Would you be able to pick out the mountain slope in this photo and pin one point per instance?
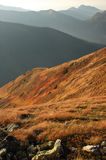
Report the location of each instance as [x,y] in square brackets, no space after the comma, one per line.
[99,17]
[84,77]
[58,102]
[50,18]
[82,12]
[98,23]
[24,47]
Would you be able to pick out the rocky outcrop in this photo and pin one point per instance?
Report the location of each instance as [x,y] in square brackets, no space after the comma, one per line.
[50,154]
[3,152]
[12,149]
[103,149]
[98,151]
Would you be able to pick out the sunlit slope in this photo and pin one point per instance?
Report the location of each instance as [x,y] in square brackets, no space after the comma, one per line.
[84,77]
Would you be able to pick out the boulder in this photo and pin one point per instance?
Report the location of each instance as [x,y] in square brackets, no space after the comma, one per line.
[3,152]
[90,148]
[32,149]
[103,148]
[50,154]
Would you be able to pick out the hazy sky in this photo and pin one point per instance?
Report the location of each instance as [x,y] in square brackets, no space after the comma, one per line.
[53,4]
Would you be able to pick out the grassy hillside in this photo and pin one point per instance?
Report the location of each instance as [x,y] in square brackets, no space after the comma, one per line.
[68,100]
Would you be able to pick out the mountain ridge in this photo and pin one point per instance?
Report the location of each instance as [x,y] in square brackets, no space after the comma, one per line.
[59,21]
[36,46]
[83,12]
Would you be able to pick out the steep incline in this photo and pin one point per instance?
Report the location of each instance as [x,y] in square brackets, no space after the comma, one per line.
[84,77]
[66,100]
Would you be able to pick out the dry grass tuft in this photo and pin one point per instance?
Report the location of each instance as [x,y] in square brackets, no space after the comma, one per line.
[94,140]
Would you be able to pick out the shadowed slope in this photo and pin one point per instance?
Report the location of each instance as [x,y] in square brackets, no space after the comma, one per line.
[59,21]
[25,47]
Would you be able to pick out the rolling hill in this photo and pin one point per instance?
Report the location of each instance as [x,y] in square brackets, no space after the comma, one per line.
[24,47]
[59,21]
[58,102]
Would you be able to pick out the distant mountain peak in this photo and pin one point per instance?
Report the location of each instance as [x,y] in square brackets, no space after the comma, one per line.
[89,7]
[49,11]
[72,8]
[82,12]
[84,7]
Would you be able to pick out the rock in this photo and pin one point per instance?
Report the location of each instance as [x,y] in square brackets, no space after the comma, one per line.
[103,148]
[46,146]
[3,152]
[103,144]
[50,154]
[73,149]
[32,149]
[3,134]
[90,148]
[12,127]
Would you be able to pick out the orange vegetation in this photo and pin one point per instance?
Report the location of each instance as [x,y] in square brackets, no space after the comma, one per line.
[58,102]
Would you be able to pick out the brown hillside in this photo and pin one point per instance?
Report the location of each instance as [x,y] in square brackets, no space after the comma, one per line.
[55,98]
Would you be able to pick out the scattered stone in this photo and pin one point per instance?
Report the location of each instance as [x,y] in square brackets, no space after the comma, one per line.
[73,149]
[12,149]
[32,149]
[90,148]
[50,154]
[103,148]
[103,144]
[12,127]
[3,134]
[46,146]
[3,152]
